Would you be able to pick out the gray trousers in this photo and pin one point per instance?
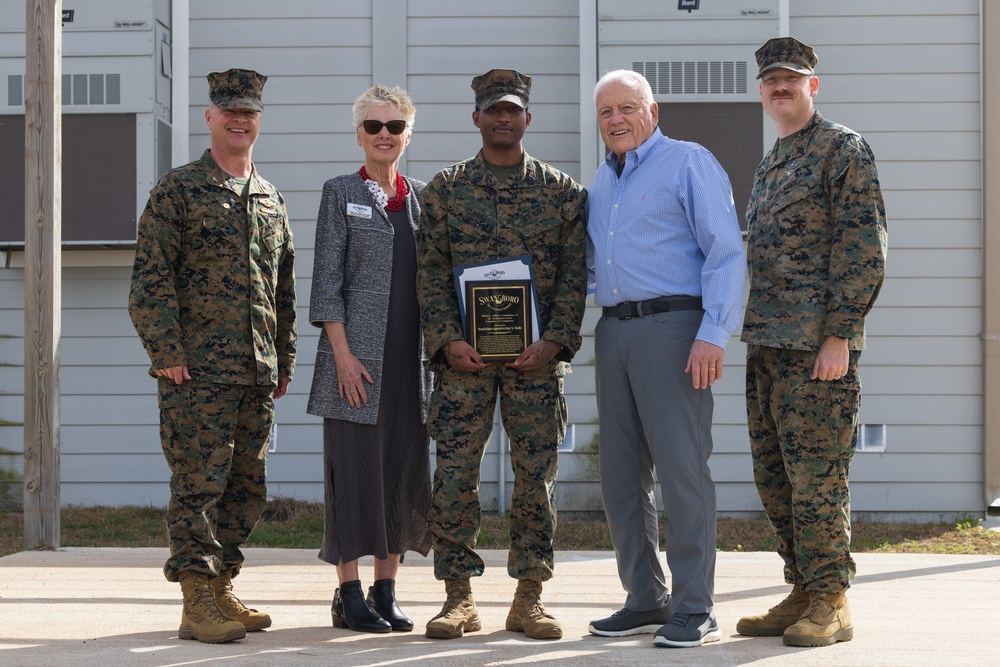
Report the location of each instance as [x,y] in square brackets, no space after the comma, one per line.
[650,414]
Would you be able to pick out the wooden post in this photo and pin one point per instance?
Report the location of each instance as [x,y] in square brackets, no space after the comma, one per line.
[42,270]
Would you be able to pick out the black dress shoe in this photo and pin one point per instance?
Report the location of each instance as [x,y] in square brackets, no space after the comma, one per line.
[351,611]
[382,598]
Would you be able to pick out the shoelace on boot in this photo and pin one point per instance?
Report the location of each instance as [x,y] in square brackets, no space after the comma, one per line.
[538,610]
[226,593]
[784,603]
[818,605]
[205,597]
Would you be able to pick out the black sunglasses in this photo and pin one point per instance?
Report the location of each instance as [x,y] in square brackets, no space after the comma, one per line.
[375,126]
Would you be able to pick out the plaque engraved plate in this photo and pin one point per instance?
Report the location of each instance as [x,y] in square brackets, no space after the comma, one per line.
[498,314]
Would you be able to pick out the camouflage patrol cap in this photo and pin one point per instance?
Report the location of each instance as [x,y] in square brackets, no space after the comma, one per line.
[501,85]
[236,89]
[786,53]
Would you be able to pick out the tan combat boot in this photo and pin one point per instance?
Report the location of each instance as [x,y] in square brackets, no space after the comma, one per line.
[528,615]
[777,618]
[459,614]
[201,618]
[826,622]
[231,606]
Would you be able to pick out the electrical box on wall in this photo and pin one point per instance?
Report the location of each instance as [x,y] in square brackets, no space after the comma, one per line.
[116,122]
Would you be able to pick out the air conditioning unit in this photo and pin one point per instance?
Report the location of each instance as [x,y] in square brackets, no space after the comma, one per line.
[116,123]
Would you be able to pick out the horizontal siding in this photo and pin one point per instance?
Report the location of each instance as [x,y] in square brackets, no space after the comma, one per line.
[954,321]
[930,292]
[862,9]
[930,114]
[447,10]
[933,58]
[275,62]
[931,174]
[475,59]
[945,147]
[465,31]
[315,34]
[263,13]
[899,28]
[930,350]
[902,88]
[944,232]
[935,205]
[935,262]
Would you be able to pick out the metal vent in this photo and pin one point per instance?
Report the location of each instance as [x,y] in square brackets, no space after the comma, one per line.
[77,89]
[569,441]
[15,90]
[114,89]
[97,89]
[694,77]
[91,89]
[871,438]
[80,89]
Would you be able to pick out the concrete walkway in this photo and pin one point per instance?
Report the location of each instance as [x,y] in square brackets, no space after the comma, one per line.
[109,607]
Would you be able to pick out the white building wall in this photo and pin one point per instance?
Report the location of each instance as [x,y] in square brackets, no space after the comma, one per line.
[904,73]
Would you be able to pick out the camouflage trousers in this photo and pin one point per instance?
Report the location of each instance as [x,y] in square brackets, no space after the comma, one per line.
[214,437]
[460,420]
[803,433]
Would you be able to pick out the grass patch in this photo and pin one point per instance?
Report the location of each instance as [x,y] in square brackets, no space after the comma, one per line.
[290,523]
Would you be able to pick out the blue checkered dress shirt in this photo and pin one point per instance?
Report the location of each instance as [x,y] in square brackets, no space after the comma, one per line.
[667,226]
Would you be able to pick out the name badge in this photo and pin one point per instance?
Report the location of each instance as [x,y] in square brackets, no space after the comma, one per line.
[359,210]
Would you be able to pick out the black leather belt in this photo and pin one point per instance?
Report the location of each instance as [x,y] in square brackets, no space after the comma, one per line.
[661,304]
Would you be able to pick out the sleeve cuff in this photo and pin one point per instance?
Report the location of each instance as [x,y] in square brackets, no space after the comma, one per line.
[713,334]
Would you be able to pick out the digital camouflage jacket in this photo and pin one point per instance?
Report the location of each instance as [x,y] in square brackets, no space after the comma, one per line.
[213,284]
[467,217]
[816,240]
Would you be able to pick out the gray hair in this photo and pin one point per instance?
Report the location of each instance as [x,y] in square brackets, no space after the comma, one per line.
[627,77]
[377,96]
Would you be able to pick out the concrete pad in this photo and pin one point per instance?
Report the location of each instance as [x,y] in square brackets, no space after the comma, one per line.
[109,607]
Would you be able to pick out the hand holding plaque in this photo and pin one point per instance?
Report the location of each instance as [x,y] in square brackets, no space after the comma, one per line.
[498,318]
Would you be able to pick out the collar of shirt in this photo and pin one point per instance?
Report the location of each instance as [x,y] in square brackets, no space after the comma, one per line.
[638,155]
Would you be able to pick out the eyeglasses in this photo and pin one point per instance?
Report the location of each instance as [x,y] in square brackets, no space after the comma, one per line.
[375,126]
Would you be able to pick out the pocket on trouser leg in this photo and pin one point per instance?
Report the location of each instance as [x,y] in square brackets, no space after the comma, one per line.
[820,421]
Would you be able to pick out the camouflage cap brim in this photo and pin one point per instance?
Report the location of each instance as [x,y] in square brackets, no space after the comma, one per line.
[790,66]
[513,99]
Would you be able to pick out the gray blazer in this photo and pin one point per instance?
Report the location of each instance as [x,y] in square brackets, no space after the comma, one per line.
[352,272]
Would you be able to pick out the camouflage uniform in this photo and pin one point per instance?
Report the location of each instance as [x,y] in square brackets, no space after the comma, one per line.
[469,217]
[213,289]
[816,251]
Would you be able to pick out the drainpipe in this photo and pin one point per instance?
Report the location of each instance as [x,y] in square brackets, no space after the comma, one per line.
[990,65]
